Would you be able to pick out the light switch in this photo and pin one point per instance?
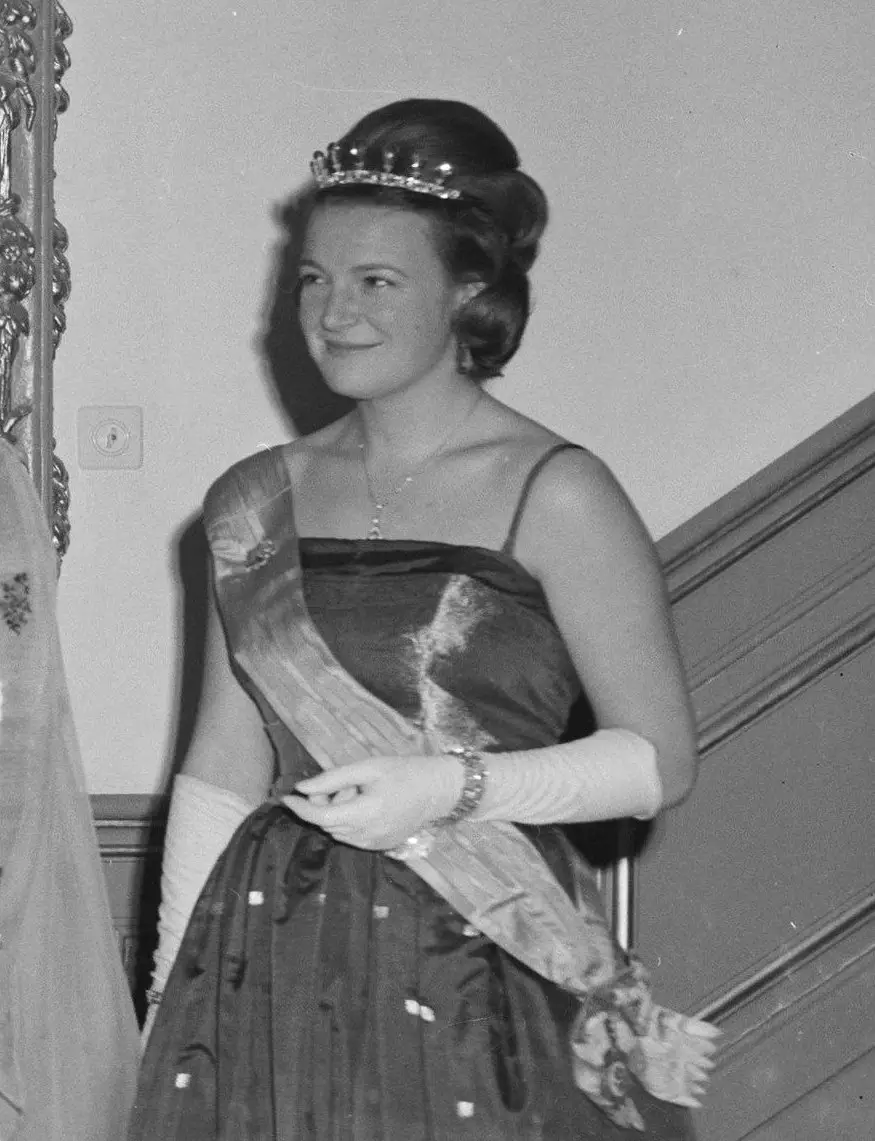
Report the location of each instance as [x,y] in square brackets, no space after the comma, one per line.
[110,436]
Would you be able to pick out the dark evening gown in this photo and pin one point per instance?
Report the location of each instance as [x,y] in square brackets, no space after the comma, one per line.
[325,993]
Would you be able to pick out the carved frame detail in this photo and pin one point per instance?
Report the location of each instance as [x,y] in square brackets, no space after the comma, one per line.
[34,271]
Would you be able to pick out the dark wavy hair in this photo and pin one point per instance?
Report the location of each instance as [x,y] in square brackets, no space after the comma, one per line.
[489,235]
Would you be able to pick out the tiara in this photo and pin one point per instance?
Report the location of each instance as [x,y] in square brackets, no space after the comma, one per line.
[335,169]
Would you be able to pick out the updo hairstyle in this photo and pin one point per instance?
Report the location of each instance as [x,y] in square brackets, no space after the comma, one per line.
[489,234]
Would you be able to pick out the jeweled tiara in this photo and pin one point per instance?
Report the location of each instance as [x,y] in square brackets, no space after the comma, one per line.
[349,169]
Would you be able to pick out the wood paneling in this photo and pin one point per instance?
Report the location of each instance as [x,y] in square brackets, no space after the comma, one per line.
[841,1107]
[130,831]
[756,898]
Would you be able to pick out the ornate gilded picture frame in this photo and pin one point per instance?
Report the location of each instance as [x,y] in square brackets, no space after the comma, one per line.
[34,271]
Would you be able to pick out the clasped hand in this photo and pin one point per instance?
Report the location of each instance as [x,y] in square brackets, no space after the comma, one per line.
[378,803]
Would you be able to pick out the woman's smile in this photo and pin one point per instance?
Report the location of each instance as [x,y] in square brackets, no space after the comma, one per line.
[371,278]
[340,347]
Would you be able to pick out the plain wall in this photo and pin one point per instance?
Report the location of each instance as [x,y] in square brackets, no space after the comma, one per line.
[704,300]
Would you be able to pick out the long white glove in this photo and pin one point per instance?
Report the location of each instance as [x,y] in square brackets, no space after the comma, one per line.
[608,775]
[201,821]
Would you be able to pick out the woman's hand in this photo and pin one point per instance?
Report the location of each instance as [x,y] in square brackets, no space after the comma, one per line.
[378,803]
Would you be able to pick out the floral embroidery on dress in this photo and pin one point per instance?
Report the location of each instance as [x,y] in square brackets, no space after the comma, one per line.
[15,601]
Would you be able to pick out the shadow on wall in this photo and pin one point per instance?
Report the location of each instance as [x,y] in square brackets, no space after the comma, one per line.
[602,842]
[307,401]
[192,570]
[309,405]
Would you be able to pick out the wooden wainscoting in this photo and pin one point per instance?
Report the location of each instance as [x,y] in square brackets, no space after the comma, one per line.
[130,832]
[755,900]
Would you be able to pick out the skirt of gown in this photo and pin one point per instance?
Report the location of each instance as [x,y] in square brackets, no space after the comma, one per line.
[325,993]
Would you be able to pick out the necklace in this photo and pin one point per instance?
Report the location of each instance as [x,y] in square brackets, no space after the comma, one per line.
[381,502]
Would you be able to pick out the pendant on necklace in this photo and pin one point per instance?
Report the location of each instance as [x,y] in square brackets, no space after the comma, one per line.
[374,531]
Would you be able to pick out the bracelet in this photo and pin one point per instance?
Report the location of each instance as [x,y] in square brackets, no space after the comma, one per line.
[473,787]
[153,996]
[417,846]
[476,772]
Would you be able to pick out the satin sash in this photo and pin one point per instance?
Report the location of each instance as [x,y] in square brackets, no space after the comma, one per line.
[489,871]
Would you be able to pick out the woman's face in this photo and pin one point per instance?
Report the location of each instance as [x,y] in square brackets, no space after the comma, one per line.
[376,301]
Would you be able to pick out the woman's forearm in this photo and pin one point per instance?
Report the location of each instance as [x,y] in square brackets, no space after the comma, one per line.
[611,774]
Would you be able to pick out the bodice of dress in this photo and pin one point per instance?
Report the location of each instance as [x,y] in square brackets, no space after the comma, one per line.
[459,640]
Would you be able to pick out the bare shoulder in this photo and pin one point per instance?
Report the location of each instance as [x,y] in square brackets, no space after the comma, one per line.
[503,425]
[577,504]
[509,445]
[265,471]
[301,453]
[576,481]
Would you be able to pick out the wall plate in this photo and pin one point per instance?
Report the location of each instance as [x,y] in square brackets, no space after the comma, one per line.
[110,436]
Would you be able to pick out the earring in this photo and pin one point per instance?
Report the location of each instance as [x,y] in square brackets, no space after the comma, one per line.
[464,360]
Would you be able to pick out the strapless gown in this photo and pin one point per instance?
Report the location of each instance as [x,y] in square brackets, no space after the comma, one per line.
[325,993]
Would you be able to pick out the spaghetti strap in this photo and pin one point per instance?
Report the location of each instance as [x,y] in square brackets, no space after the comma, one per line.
[508,544]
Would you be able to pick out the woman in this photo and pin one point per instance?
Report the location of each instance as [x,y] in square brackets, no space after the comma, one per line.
[412,598]
[68,1036]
